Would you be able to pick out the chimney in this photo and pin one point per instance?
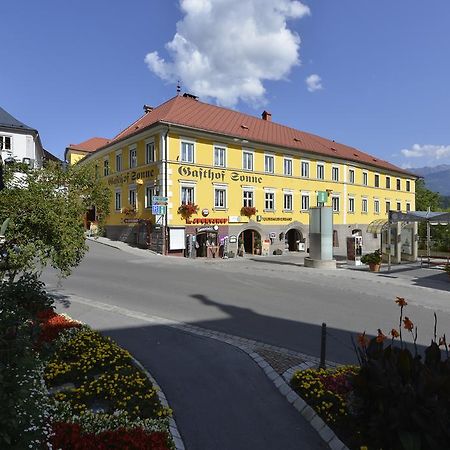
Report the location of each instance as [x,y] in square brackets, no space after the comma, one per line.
[266,116]
[148,108]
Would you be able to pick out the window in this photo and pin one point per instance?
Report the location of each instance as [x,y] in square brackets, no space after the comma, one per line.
[118,200]
[351,205]
[320,171]
[149,152]
[408,207]
[288,166]
[118,162]
[335,173]
[365,178]
[187,194]
[408,185]
[150,192]
[219,156]
[377,180]
[305,169]
[399,206]
[269,201]
[247,198]
[133,157]
[376,206]
[187,152]
[132,198]
[335,204]
[399,184]
[220,198]
[305,202]
[105,167]
[388,207]
[351,176]
[364,206]
[247,160]
[268,163]
[5,143]
[388,182]
[288,202]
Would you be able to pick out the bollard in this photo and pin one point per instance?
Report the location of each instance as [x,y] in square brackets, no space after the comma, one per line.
[323,345]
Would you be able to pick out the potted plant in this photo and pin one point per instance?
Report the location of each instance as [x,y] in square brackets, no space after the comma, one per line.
[257,244]
[186,210]
[373,260]
[248,211]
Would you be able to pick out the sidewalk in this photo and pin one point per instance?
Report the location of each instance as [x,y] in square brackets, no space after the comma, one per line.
[221,398]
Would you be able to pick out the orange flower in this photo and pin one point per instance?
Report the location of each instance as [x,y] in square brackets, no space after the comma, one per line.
[407,324]
[381,337]
[401,301]
[363,340]
[395,333]
[442,341]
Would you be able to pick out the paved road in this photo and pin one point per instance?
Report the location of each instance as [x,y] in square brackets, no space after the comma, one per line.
[272,300]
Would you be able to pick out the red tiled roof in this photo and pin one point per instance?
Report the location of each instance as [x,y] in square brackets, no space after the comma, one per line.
[90,145]
[191,113]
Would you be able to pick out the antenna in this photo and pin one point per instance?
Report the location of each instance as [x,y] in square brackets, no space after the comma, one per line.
[178,87]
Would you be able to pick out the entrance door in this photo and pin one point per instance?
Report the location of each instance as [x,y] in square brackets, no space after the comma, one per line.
[252,241]
[293,238]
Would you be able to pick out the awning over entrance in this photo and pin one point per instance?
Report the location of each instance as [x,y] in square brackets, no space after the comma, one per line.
[377,226]
[419,216]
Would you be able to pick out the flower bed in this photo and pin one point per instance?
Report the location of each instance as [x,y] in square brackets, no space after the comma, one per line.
[102,400]
[396,399]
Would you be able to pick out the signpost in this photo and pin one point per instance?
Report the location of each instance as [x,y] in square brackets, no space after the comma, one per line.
[159,205]
[322,197]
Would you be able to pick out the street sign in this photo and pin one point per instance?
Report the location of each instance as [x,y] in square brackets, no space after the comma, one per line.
[322,196]
[159,201]
[158,210]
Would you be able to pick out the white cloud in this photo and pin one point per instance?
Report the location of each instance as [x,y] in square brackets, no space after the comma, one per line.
[314,83]
[429,151]
[225,49]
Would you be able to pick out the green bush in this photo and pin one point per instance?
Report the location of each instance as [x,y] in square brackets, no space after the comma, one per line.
[372,258]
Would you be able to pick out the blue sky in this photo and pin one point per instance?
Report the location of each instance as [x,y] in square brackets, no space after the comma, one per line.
[381,70]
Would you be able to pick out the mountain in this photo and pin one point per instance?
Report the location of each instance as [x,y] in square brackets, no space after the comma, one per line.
[437,179]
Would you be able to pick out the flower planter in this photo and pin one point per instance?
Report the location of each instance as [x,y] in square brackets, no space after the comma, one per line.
[374,267]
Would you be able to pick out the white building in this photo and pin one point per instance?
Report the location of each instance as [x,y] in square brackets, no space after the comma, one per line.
[21,142]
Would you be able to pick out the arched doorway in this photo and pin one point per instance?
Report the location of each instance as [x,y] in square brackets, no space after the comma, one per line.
[293,239]
[250,240]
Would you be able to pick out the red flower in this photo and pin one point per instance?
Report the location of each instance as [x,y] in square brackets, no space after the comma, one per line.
[407,324]
[401,301]
[381,337]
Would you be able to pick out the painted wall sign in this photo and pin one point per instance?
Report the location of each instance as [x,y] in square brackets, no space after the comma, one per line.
[134,175]
[276,219]
[203,229]
[206,221]
[217,175]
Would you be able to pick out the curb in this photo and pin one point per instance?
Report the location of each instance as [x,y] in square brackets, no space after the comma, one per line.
[173,429]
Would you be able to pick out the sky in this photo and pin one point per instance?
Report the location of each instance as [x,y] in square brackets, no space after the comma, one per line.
[371,74]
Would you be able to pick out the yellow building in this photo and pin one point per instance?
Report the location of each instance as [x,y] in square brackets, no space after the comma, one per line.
[76,152]
[222,160]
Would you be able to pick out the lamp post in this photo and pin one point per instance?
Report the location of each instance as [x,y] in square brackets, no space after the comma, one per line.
[2,183]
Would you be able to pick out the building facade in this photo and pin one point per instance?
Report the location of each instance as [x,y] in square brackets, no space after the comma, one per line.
[20,143]
[227,163]
[76,152]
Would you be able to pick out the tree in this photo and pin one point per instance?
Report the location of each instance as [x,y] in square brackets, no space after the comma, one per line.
[46,209]
[425,198]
